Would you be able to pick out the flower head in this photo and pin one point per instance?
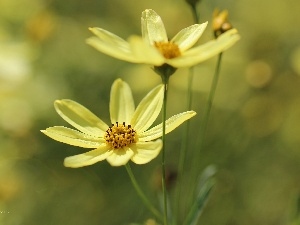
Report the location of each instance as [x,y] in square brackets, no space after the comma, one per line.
[154,47]
[127,138]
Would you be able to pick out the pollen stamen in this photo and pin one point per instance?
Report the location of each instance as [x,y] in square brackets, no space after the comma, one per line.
[120,135]
[168,49]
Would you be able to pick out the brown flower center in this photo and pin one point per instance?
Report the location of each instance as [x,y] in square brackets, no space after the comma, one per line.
[120,135]
[168,49]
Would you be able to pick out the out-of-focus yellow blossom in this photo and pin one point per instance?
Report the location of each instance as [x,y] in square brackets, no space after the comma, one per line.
[220,22]
[127,138]
[154,47]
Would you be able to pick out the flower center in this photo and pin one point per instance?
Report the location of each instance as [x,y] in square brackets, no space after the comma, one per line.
[168,49]
[120,135]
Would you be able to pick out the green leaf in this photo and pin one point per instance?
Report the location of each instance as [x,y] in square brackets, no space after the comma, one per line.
[206,184]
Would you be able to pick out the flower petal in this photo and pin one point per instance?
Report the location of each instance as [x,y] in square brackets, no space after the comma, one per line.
[148,109]
[153,29]
[146,53]
[88,158]
[203,52]
[110,38]
[73,137]
[120,157]
[121,103]
[80,117]
[111,45]
[171,124]
[187,37]
[146,151]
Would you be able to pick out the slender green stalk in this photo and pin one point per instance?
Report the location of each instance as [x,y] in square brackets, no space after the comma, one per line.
[209,103]
[165,71]
[203,125]
[141,193]
[165,80]
[195,13]
[184,143]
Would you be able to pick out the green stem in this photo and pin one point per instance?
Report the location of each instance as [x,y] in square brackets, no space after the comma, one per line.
[185,134]
[141,193]
[165,80]
[195,14]
[184,143]
[209,103]
[200,140]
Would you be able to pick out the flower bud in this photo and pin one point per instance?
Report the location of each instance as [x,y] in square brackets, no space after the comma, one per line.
[220,22]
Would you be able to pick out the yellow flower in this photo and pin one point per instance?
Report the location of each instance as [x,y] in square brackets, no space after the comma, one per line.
[127,138]
[154,47]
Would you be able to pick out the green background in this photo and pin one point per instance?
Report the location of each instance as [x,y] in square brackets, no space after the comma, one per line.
[253,134]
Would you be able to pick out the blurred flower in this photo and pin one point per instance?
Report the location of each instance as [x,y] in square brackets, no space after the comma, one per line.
[155,48]
[41,26]
[220,22]
[127,138]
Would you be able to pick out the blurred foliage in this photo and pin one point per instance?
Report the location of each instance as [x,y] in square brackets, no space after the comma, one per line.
[252,136]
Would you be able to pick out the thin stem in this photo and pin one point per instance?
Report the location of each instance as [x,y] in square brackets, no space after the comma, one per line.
[184,143]
[141,193]
[203,126]
[185,134]
[209,103]
[165,80]
[195,13]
